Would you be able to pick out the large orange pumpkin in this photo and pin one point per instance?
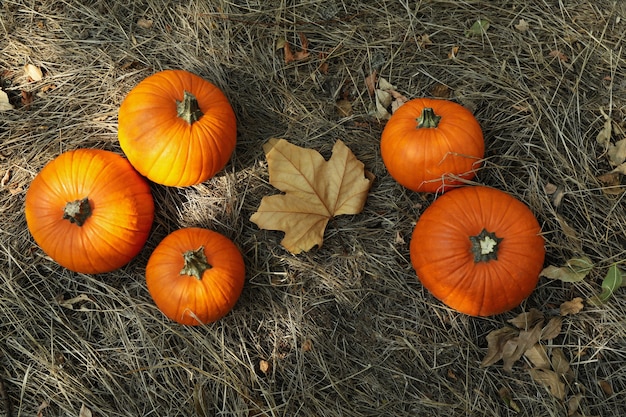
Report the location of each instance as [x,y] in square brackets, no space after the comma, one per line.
[176,128]
[478,250]
[89,210]
[430,145]
[195,276]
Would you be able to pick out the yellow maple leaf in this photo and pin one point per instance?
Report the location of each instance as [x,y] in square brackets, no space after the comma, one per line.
[315,191]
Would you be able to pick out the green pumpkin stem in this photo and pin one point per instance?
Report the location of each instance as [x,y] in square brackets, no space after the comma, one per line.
[77,211]
[485,246]
[188,109]
[428,118]
[195,263]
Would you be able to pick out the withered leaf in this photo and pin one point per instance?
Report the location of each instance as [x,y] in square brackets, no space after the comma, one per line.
[558,54]
[522,26]
[145,23]
[538,356]
[371,81]
[424,41]
[527,319]
[33,72]
[572,307]
[576,269]
[617,152]
[303,53]
[315,191]
[496,340]
[552,329]
[84,412]
[604,135]
[4,102]
[524,341]
[573,403]
[550,380]
[606,387]
[560,363]
[621,168]
[507,397]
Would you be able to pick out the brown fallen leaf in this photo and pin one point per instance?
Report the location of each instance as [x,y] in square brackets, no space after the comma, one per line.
[573,306]
[558,54]
[560,364]
[496,341]
[522,26]
[518,345]
[5,105]
[33,72]
[371,81]
[527,319]
[315,191]
[84,412]
[538,356]
[552,329]
[507,397]
[264,366]
[440,91]
[604,135]
[145,23]
[617,152]
[550,380]
[5,178]
[573,403]
[454,51]
[303,53]
[606,387]
[424,41]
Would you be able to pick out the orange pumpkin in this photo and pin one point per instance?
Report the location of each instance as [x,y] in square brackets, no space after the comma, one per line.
[195,276]
[89,210]
[478,250]
[176,128]
[430,145]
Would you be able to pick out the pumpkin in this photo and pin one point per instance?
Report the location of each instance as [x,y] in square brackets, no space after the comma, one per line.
[176,128]
[478,250]
[195,276]
[89,210]
[430,145]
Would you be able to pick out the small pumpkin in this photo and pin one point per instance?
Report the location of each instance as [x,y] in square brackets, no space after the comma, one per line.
[89,210]
[176,128]
[195,276]
[479,250]
[430,145]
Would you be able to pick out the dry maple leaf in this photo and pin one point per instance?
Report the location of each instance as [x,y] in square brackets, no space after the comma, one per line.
[571,307]
[304,53]
[315,191]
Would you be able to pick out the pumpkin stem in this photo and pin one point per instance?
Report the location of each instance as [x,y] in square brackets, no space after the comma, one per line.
[195,263]
[77,211]
[485,246]
[428,118]
[188,109]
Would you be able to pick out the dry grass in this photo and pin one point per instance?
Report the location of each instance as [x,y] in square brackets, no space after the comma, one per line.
[346,329]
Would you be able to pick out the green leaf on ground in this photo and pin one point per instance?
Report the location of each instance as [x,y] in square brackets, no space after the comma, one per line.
[478,28]
[612,281]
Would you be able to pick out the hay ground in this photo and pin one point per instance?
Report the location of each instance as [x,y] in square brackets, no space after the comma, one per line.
[345,329]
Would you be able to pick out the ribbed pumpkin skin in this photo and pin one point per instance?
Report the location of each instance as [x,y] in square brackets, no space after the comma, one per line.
[164,147]
[423,159]
[122,210]
[441,251]
[184,298]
